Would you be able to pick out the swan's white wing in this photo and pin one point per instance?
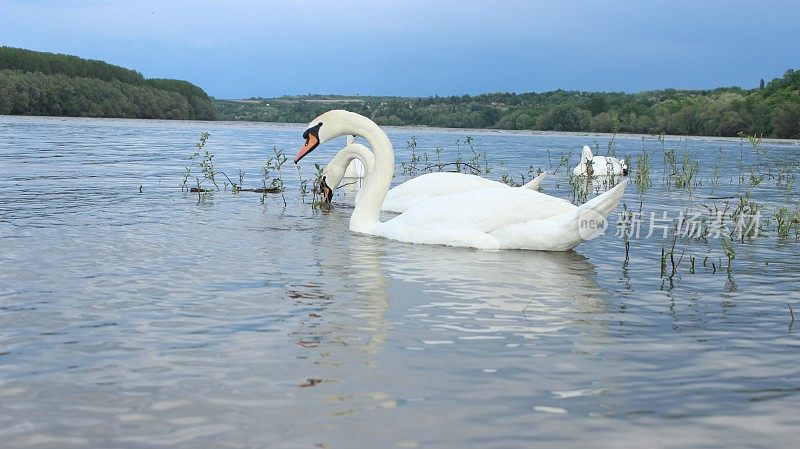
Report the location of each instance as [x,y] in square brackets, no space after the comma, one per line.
[431,185]
[564,231]
[467,218]
[496,219]
[536,182]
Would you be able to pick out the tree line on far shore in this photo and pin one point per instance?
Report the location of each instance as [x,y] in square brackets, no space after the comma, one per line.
[772,109]
[39,83]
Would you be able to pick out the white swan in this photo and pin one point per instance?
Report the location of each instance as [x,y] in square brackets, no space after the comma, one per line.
[355,168]
[601,165]
[483,219]
[415,190]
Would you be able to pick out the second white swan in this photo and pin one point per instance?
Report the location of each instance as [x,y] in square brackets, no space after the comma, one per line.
[601,165]
[415,190]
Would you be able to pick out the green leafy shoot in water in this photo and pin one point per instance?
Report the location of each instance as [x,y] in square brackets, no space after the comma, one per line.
[786,221]
[643,167]
[730,253]
[187,171]
[273,165]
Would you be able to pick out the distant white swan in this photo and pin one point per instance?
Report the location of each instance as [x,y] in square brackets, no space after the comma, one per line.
[601,165]
[483,219]
[415,190]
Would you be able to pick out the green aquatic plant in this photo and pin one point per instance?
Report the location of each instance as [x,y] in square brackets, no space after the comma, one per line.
[746,217]
[642,179]
[411,167]
[670,166]
[317,197]
[564,160]
[438,152]
[755,179]
[685,175]
[206,166]
[509,180]
[303,183]
[532,173]
[457,162]
[238,187]
[478,161]
[730,253]
[786,221]
[755,143]
[271,171]
[717,171]
[580,188]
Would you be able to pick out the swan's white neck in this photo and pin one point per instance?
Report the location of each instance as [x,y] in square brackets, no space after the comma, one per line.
[337,167]
[361,153]
[586,157]
[367,212]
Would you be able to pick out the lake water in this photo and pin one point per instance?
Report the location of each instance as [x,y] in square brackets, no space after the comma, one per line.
[133,315]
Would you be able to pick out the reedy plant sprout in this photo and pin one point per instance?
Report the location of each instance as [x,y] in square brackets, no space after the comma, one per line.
[474,165]
[274,164]
[458,156]
[786,220]
[187,171]
[642,179]
[685,176]
[317,200]
[206,166]
[730,253]
[303,184]
[716,173]
[411,167]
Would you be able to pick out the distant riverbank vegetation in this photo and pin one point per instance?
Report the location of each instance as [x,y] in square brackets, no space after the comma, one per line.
[771,110]
[38,83]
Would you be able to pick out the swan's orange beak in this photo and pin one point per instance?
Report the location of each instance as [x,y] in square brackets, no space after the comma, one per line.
[312,141]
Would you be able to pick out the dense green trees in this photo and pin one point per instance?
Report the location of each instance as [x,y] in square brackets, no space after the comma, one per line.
[773,110]
[36,83]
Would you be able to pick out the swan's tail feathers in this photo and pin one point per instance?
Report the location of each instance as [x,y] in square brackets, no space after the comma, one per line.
[536,182]
[605,203]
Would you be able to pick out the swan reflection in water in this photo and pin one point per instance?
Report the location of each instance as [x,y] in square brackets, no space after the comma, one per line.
[477,294]
[389,302]
[503,292]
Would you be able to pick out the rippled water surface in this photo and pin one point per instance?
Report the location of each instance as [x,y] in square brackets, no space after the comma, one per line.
[132,315]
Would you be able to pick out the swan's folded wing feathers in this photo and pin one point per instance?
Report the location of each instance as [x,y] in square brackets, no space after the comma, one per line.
[483,210]
[430,185]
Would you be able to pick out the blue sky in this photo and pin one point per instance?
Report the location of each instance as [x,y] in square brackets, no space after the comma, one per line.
[240,48]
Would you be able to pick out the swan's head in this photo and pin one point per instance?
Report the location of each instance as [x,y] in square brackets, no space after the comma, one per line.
[328,126]
[587,153]
[624,167]
[325,190]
